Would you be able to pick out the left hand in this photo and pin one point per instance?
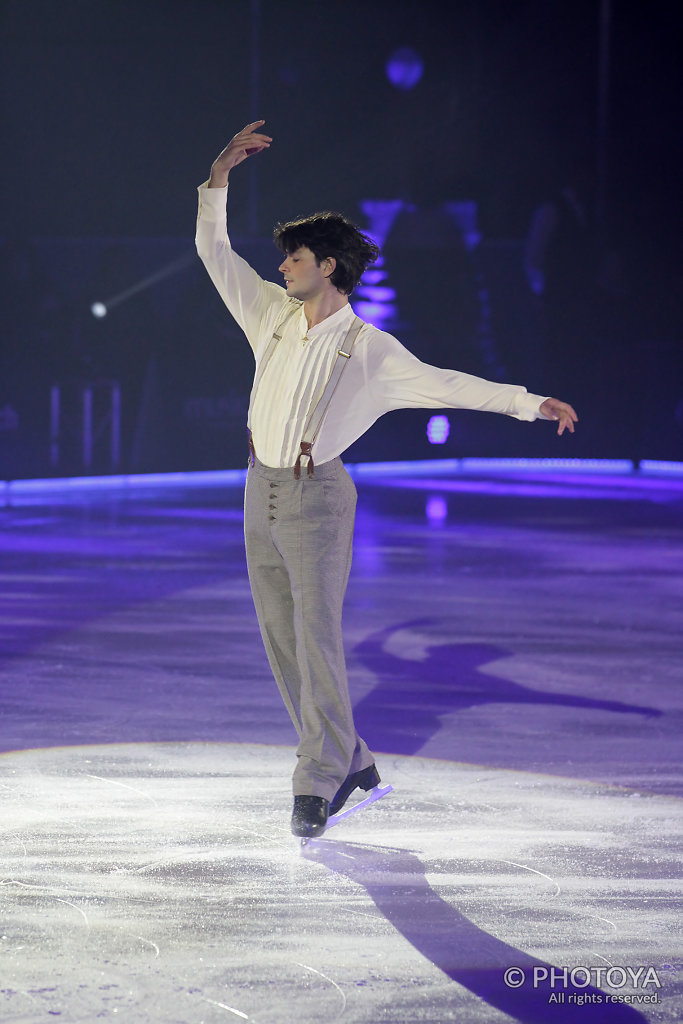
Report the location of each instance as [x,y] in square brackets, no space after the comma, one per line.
[554,409]
[243,145]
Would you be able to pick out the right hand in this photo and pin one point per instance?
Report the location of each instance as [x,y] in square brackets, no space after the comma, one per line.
[246,143]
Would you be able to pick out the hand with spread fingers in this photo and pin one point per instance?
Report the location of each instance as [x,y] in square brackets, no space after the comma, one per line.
[246,143]
[562,412]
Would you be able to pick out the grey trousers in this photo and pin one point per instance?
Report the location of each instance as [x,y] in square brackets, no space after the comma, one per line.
[299,537]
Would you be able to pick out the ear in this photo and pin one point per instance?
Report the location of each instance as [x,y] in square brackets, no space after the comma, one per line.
[328,266]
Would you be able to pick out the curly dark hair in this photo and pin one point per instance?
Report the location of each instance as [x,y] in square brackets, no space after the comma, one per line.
[330,234]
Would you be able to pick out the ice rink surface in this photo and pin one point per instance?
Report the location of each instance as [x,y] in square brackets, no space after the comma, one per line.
[516,661]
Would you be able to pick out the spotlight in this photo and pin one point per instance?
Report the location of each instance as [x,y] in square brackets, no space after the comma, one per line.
[438,430]
[404,68]
[100,309]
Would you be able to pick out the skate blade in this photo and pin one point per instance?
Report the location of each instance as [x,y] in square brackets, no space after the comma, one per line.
[376,794]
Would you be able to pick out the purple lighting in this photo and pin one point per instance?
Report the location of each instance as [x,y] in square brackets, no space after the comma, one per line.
[438,430]
[376,301]
[657,466]
[586,478]
[404,68]
[436,508]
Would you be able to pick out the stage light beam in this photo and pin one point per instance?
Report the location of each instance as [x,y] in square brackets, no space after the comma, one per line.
[100,309]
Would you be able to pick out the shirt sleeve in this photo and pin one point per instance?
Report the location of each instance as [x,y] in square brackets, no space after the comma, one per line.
[400,380]
[251,300]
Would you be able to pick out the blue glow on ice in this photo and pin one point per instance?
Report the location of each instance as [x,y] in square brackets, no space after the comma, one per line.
[436,508]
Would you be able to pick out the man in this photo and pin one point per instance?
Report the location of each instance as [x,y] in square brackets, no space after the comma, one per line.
[322,378]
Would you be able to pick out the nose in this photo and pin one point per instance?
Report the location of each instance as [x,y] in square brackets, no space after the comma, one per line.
[282,266]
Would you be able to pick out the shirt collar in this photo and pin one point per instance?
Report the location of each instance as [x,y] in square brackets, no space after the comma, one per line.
[330,322]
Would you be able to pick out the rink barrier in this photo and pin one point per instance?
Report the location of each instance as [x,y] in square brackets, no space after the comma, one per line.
[12,491]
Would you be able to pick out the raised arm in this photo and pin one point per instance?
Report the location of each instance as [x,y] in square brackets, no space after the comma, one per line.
[252,301]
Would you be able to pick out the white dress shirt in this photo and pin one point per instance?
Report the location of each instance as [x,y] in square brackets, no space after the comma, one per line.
[381,374]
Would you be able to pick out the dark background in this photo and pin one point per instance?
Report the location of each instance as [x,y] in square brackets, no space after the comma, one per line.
[113,111]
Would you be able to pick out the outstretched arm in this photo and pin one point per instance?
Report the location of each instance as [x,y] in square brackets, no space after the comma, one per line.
[246,143]
[400,380]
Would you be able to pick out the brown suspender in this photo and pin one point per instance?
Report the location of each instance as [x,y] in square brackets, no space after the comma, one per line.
[317,414]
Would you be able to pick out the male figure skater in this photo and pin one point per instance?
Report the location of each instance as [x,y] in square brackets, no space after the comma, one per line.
[322,378]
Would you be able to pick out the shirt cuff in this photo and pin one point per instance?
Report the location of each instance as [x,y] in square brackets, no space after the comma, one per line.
[528,406]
